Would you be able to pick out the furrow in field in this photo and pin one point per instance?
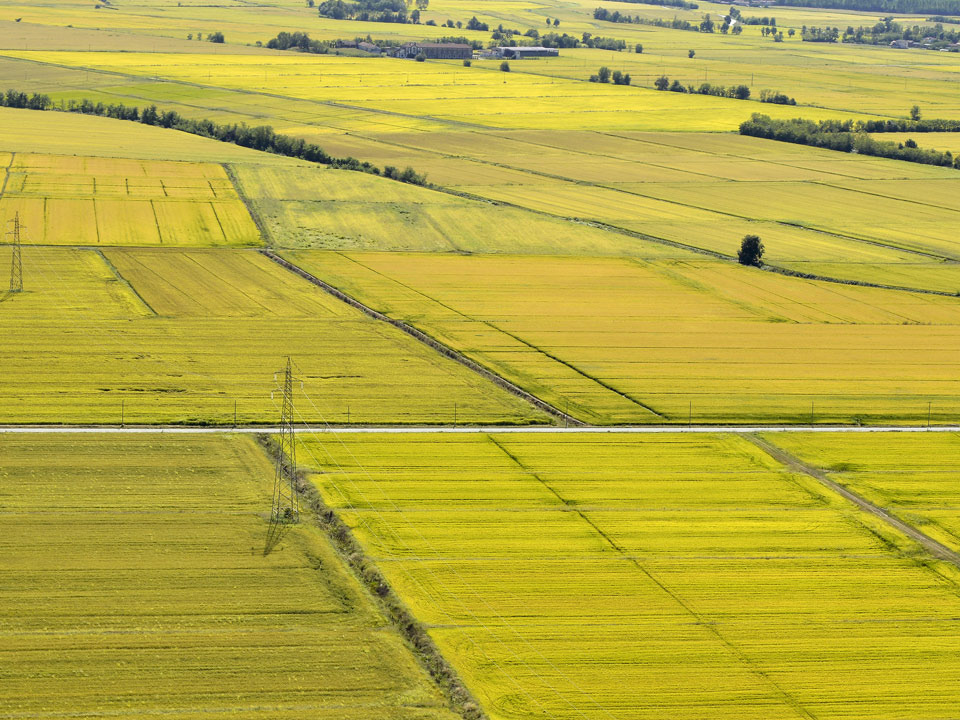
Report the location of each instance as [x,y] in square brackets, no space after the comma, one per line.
[935,548]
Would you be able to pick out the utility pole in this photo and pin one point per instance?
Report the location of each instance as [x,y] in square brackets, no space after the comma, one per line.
[286,503]
[16,264]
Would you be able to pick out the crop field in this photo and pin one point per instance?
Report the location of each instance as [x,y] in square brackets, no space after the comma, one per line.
[27,131]
[700,190]
[629,577]
[191,337]
[915,478]
[576,239]
[136,583]
[332,209]
[68,200]
[624,341]
[449,93]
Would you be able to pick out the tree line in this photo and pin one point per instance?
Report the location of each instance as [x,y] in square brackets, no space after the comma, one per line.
[736,92]
[843,136]
[682,4]
[389,11]
[908,7]
[603,75]
[884,32]
[261,137]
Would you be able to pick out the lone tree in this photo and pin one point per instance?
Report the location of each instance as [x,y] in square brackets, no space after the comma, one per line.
[505,67]
[915,113]
[751,251]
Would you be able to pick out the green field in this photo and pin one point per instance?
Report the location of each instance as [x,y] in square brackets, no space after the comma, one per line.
[676,576]
[136,584]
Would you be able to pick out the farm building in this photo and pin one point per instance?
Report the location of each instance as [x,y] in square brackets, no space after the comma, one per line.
[368,47]
[518,53]
[434,51]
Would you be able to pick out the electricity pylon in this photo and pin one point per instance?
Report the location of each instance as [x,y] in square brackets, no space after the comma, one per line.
[16,264]
[286,503]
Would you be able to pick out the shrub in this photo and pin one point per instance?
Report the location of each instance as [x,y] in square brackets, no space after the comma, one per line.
[505,66]
[467,63]
[420,57]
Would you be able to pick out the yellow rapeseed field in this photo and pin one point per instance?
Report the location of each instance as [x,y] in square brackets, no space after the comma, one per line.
[626,341]
[69,200]
[914,477]
[189,336]
[647,577]
[136,584]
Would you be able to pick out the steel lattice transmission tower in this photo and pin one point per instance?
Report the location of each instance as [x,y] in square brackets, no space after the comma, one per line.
[286,503]
[16,264]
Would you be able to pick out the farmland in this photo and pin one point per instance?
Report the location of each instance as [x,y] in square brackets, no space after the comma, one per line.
[623,341]
[136,583]
[913,477]
[700,190]
[564,251]
[680,576]
[190,337]
[100,201]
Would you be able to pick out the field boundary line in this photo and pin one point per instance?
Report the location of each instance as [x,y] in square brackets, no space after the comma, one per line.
[123,280]
[430,342]
[357,561]
[265,236]
[795,464]
[6,174]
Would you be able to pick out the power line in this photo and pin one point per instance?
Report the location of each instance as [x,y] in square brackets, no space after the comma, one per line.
[16,263]
[286,502]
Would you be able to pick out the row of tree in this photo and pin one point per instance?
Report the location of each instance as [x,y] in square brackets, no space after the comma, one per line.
[706,24]
[604,75]
[300,41]
[390,11]
[737,92]
[907,7]
[682,4]
[261,137]
[776,97]
[843,137]
[887,31]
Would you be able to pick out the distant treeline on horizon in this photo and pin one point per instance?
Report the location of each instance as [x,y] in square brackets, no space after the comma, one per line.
[909,7]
